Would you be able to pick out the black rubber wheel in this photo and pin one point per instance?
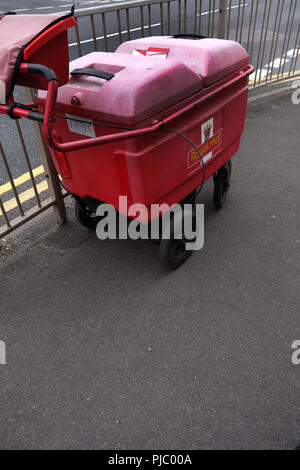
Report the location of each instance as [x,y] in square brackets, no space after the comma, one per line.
[222,184]
[172,251]
[86,217]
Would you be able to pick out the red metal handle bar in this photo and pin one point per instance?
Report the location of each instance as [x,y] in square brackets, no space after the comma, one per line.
[86,143]
[47,117]
[51,80]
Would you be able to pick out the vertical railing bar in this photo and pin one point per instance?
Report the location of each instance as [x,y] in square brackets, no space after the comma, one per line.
[169,19]
[161,19]
[290,33]
[78,40]
[104,31]
[179,16]
[265,40]
[119,26]
[28,162]
[222,19]
[142,21]
[94,32]
[273,38]
[295,53]
[229,18]
[195,16]
[200,17]
[277,36]
[260,43]
[209,18]
[149,20]
[213,18]
[242,21]
[128,24]
[184,16]
[285,38]
[4,214]
[11,180]
[250,24]
[238,21]
[253,32]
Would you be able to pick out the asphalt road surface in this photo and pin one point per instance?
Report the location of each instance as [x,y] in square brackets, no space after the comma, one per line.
[8,134]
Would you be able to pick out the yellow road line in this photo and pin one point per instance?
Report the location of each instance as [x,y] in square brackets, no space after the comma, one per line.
[273,77]
[286,81]
[5,188]
[25,196]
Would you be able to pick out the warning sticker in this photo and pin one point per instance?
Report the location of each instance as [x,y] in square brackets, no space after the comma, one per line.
[157,52]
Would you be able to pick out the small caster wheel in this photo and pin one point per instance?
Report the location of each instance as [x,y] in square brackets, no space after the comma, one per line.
[86,217]
[222,184]
[172,251]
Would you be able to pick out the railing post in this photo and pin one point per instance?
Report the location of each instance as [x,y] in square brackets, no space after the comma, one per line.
[222,19]
[50,172]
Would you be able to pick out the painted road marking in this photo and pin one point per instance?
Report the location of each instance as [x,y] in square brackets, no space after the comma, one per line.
[79,2]
[205,13]
[5,188]
[25,196]
[261,74]
[113,34]
[273,77]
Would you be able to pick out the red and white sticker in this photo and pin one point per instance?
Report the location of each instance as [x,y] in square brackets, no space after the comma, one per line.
[210,140]
[157,52]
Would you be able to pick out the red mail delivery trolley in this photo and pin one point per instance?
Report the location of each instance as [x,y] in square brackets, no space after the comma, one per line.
[151,121]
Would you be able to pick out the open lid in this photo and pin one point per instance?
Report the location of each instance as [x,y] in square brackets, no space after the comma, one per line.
[19,32]
[213,59]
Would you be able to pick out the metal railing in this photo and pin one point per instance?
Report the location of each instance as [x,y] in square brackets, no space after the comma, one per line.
[39,187]
[268,29]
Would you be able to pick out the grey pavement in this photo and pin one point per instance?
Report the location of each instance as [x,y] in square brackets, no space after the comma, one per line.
[106,349]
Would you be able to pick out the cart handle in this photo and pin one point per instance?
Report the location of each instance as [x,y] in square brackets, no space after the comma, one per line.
[93,73]
[188,35]
[15,111]
[39,69]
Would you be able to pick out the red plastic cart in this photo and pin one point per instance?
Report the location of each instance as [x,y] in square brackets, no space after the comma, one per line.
[151,122]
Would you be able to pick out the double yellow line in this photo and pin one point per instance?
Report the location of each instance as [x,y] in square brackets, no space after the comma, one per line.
[275,76]
[25,195]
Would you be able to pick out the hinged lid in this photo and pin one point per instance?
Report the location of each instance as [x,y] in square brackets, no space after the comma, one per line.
[213,59]
[138,90]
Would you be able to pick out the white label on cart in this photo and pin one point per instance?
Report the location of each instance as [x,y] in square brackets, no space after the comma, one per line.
[81,125]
